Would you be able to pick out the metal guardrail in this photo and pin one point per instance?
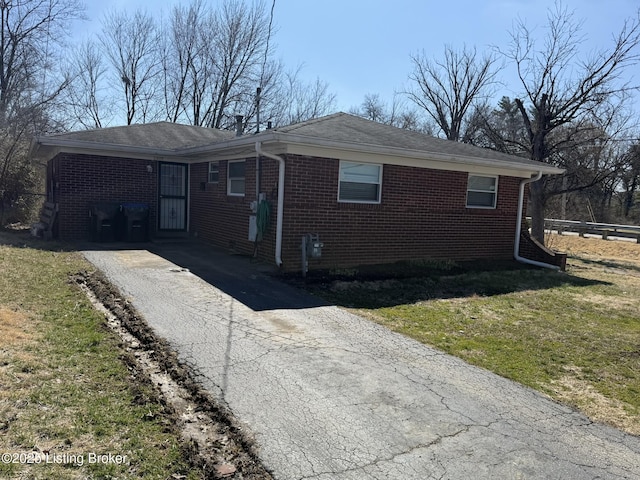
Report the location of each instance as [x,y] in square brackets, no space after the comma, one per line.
[602,229]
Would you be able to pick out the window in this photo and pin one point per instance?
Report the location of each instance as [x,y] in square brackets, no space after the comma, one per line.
[482,191]
[359,182]
[213,172]
[235,178]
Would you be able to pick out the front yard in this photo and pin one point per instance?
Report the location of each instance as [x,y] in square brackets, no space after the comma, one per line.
[68,387]
[76,399]
[574,336]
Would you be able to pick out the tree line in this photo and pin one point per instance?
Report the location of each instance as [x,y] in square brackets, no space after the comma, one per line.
[575,112]
[206,62]
[202,65]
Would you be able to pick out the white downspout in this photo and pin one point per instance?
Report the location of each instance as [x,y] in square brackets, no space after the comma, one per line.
[516,245]
[279,216]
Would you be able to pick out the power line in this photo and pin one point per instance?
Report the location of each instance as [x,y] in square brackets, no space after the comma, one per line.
[266,50]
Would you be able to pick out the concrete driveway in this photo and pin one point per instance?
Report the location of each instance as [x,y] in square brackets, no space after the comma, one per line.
[331,396]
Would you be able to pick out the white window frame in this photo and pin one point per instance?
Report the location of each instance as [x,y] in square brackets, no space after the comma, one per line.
[214,167]
[344,163]
[494,192]
[230,178]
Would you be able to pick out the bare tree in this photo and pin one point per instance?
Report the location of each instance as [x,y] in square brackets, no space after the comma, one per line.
[86,98]
[184,61]
[374,108]
[447,89]
[238,52]
[31,34]
[563,90]
[131,45]
[213,61]
[293,100]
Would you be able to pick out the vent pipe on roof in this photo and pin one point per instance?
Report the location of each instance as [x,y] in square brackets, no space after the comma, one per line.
[239,119]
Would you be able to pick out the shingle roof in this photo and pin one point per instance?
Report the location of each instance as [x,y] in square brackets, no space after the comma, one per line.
[346,128]
[340,130]
[160,135]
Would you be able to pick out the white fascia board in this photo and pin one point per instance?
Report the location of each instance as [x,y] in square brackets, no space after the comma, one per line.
[420,159]
[49,150]
[54,146]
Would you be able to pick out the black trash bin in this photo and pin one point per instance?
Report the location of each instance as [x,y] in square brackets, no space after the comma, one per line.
[135,222]
[104,221]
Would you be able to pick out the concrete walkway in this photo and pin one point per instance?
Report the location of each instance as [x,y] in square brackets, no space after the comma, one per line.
[331,396]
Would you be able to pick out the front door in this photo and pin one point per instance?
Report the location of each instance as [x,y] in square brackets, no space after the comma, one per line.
[173,197]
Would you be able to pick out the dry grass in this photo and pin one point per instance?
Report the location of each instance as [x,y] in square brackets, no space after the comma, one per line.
[574,336]
[595,248]
[64,387]
[15,328]
[572,389]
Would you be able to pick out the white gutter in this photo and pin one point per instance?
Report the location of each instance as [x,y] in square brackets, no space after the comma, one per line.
[279,216]
[516,245]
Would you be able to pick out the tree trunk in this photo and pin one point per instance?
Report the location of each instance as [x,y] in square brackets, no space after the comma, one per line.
[629,197]
[536,210]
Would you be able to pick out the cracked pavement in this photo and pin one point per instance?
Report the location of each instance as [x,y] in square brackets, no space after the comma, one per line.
[329,395]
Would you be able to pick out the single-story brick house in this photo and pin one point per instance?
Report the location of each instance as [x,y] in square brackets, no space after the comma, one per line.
[370,193]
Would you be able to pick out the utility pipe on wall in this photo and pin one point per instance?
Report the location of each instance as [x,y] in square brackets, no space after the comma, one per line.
[516,245]
[279,216]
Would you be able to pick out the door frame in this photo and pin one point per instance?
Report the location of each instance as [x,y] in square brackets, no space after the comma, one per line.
[184,197]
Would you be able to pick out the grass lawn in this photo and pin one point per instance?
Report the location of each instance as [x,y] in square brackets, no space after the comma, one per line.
[574,336]
[66,388]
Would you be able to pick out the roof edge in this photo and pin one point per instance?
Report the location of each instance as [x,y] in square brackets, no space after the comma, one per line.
[39,142]
[281,139]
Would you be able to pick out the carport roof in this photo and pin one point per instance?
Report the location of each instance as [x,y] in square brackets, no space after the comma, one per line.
[160,136]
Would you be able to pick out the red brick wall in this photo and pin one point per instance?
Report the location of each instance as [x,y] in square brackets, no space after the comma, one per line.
[219,218]
[422,215]
[80,180]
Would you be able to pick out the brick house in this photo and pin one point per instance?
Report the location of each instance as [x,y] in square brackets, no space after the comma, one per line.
[370,193]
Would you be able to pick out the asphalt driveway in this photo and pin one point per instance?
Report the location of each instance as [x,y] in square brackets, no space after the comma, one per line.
[331,396]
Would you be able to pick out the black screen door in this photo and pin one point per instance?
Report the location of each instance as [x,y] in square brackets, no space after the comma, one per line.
[173,197]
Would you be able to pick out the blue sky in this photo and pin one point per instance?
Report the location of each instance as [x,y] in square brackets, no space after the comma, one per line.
[363,46]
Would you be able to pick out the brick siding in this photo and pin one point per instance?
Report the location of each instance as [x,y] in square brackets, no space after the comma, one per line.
[422,215]
[79,180]
[219,218]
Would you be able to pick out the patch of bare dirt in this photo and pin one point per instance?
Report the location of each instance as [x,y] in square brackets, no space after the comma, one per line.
[213,440]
